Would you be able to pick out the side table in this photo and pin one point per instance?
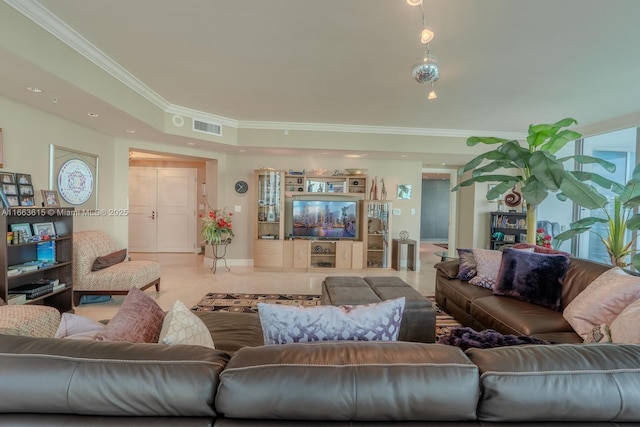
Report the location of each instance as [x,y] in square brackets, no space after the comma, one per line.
[411,253]
[220,252]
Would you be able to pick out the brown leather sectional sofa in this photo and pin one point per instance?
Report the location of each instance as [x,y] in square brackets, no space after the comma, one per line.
[58,382]
[478,308]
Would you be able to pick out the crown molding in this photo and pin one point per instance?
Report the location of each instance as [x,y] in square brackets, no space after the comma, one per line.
[67,35]
[41,16]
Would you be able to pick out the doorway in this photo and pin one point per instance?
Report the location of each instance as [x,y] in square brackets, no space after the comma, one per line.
[162,209]
[434,223]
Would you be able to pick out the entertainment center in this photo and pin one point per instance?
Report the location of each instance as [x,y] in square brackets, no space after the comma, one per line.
[312,221]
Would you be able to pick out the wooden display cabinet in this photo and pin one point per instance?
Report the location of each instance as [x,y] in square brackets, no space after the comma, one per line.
[269,222]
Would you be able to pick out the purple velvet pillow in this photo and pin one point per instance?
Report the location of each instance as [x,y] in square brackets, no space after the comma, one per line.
[467,269]
[532,277]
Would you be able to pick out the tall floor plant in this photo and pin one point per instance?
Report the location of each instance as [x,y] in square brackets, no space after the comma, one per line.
[536,170]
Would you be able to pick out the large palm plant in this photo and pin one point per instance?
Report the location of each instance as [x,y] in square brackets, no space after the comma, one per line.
[536,170]
[617,224]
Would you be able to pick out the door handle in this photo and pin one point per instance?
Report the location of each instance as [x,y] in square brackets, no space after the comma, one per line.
[153,215]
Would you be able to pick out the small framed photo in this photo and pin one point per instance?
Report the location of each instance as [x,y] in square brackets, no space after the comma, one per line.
[50,199]
[23,228]
[25,190]
[44,229]
[10,189]
[27,201]
[509,238]
[23,179]
[7,178]
[404,191]
[523,238]
[13,200]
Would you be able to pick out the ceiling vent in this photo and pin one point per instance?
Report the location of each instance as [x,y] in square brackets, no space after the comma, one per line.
[205,127]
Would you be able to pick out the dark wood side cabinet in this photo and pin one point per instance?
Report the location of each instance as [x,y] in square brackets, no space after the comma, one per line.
[15,253]
[507,228]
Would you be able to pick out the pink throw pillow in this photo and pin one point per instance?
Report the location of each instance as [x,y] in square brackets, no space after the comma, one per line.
[138,320]
[72,324]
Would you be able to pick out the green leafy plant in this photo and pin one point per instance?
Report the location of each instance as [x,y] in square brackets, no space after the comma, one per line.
[536,169]
[617,223]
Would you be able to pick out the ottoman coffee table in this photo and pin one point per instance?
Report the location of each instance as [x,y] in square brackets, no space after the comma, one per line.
[419,317]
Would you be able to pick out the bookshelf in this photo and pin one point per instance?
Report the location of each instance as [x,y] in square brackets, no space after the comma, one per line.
[507,228]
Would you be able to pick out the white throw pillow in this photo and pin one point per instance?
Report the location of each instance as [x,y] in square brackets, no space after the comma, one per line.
[602,301]
[181,326]
[624,329]
[370,322]
[74,324]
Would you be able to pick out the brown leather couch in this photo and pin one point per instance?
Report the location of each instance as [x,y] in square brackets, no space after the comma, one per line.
[57,382]
[479,309]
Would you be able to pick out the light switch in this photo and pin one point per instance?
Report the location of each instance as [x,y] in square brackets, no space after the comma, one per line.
[237,208]
[413,211]
[397,211]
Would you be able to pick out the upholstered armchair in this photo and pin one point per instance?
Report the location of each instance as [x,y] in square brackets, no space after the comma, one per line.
[116,279]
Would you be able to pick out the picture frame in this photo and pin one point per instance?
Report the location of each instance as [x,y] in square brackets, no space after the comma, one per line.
[44,229]
[50,198]
[23,179]
[22,227]
[25,190]
[27,201]
[523,238]
[509,238]
[10,189]
[64,162]
[404,191]
[7,178]
[13,201]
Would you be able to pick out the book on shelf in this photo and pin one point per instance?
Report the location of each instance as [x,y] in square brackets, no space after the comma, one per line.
[17,299]
[46,252]
[59,286]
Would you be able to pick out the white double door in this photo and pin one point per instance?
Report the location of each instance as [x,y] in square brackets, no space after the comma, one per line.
[162,209]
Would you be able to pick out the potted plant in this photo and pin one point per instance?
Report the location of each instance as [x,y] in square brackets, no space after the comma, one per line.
[617,222]
[537,171]
[217,227]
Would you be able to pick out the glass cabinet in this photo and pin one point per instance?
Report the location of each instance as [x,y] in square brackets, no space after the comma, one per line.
[378,232]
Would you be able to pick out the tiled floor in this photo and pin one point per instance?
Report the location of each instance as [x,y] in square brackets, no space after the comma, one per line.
[187,278]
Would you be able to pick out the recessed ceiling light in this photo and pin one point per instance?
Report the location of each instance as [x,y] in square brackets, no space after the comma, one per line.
[54,100]
[404,155]
[444,164]
[34,89]
[324,152]
[131,131]
[191,143]
[93,115]
[242,150]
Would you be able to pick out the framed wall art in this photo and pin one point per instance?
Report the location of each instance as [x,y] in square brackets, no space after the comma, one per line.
[404,191]
[7,178]
[74,175]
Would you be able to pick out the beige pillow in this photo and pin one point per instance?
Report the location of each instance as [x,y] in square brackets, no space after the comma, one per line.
[624,329]
[602,301]
[181,326]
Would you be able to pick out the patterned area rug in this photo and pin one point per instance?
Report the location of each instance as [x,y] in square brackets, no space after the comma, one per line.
[248,303]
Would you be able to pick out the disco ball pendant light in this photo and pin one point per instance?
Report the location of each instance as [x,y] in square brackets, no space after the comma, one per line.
[427,70]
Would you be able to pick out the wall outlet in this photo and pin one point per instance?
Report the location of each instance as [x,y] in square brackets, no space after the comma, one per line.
[237,208]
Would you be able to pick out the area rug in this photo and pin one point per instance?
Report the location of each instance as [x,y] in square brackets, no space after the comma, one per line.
[248,303]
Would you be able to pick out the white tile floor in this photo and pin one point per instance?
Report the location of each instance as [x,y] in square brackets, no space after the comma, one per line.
[187,278]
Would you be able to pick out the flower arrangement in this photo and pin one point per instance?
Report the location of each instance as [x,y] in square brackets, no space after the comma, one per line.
[542,238]
[217,226]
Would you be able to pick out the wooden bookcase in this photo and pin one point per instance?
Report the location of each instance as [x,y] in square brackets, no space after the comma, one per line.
[19,253]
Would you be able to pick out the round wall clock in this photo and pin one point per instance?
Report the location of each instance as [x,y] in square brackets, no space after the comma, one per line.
[241,187]
[75,182]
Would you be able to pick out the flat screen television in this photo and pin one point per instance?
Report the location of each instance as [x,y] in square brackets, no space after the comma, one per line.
[325,219]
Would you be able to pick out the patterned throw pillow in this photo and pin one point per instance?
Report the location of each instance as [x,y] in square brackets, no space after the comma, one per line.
[602,301]
[138,320]
[467,269]
[532,277]
[487,267]
[181,326]
[283,324]
[599,334]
